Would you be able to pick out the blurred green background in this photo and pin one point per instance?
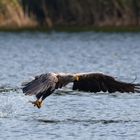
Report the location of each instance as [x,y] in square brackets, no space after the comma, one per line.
[70,14]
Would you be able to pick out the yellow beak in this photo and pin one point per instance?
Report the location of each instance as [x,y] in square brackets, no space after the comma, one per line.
[77,78]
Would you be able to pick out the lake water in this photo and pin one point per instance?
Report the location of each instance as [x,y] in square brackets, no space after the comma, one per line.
[68,115]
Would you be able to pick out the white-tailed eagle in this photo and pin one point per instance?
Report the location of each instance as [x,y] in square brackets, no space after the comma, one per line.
[45,84]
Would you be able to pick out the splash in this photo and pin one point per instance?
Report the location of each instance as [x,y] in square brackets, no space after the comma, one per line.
[10,101]
[6,111]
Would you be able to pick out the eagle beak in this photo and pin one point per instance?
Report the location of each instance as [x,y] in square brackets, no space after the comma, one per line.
[77,78]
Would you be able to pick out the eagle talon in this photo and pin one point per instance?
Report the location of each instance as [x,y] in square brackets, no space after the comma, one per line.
[36,103]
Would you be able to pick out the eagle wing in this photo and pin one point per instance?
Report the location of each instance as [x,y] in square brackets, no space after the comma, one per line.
[91,82]
[40,85]
[96,82]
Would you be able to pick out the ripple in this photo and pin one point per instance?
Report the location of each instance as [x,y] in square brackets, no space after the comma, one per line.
[8,89]
[76,115]
[48,121]
[86,121]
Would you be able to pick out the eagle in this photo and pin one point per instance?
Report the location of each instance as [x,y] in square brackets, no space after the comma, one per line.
[45,84]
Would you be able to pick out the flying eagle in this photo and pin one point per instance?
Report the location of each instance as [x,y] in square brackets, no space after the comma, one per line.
[45,84]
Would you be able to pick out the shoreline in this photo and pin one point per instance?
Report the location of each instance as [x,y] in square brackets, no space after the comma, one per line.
[72,29]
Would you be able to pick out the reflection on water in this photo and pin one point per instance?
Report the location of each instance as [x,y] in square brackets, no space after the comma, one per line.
[68,114]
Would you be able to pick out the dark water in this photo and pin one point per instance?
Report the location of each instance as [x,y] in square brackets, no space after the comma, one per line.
[66,114]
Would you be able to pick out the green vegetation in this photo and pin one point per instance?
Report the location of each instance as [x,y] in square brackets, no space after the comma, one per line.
[104,15]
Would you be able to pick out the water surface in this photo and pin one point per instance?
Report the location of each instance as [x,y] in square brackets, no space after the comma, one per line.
[67,114]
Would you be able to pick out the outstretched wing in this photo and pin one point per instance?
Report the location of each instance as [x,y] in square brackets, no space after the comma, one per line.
[96,82]
[40,85]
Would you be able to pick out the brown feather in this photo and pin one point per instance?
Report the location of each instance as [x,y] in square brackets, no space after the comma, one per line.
[45,84]
[96,82]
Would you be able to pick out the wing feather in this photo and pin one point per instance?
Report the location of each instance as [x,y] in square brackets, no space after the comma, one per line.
[96,82]
[40,84]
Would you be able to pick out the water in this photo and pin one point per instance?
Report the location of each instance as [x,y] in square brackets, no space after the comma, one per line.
[69,114]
